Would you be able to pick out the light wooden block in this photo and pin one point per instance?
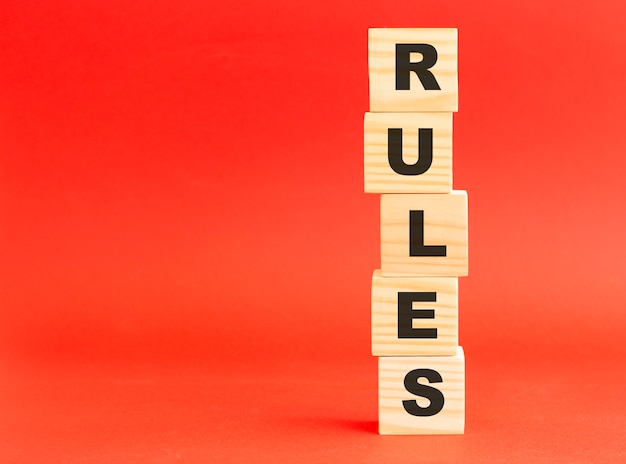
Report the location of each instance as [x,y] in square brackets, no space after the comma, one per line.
[444,225]
[430,170]
[426,308]
[382,51]
[411,384]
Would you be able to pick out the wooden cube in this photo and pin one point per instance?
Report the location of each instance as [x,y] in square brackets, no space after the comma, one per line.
[424,234]
[413,70]
[421,395]
[408,152]
[414,316]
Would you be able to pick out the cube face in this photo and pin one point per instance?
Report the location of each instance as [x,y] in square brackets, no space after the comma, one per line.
[425,308]
[421,395]
[380,130]
[438,221]
[398,54]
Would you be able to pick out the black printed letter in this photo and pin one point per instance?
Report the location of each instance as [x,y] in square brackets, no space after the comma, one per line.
[404,66]
[413,386]
[406,314]
[416,238]
[425,150]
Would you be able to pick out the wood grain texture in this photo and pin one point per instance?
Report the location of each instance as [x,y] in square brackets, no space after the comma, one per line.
[393,419]
[445,223]
[385,339]
[379,177]
[382,71]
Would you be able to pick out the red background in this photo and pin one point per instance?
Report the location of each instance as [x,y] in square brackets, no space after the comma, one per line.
[186,251]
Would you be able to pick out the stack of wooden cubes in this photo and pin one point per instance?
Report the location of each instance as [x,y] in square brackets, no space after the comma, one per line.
[424,230]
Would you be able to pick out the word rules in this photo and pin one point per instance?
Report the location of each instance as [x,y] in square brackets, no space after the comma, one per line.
[413,85]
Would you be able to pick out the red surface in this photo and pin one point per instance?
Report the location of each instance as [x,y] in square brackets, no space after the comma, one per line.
[186,251]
